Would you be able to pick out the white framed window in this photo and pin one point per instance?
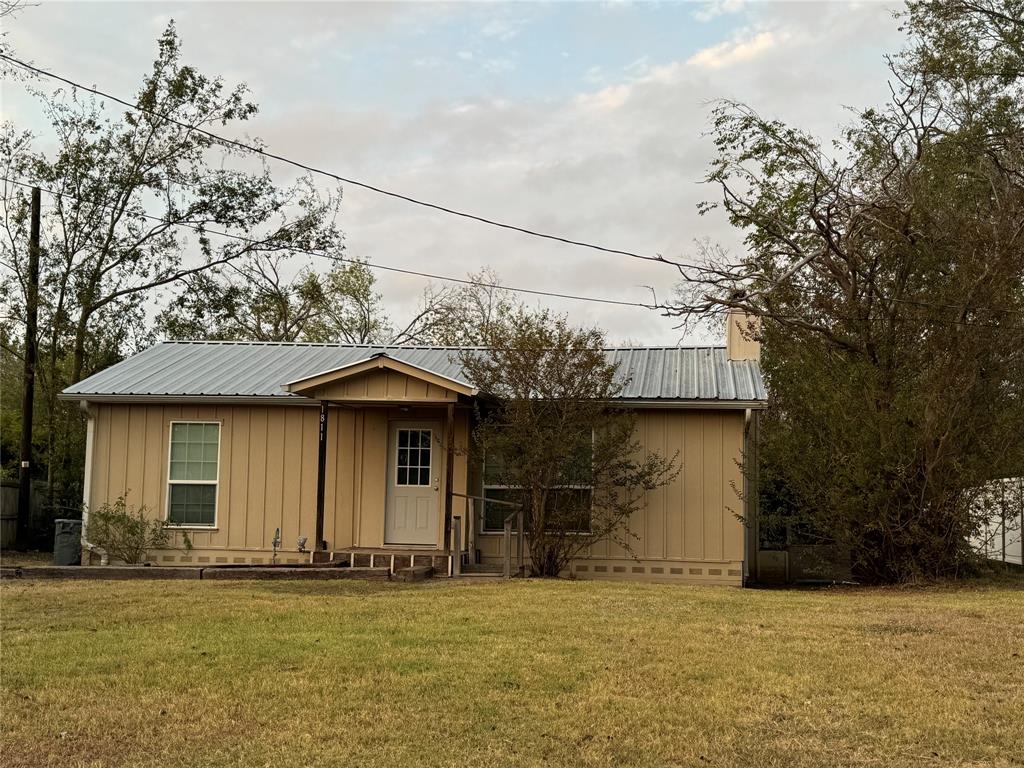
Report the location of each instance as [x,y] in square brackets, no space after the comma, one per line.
[412,462]
[192,474]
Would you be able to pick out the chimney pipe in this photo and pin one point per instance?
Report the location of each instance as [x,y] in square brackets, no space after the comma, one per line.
[741,330]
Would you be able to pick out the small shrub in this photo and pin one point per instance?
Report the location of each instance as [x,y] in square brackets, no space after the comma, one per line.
[126,533]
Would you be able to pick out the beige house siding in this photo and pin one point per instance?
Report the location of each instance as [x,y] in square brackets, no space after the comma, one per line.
[689,529]
[381,385]
[267,473]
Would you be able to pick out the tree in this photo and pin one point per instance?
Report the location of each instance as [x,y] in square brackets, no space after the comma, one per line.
[460,315]
[353,310]
[135,201]
[255,301]
[888,273]
[550,430]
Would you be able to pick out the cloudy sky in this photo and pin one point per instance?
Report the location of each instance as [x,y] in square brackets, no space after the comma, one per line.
[581,119]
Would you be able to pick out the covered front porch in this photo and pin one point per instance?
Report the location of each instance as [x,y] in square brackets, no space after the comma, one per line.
[392,465]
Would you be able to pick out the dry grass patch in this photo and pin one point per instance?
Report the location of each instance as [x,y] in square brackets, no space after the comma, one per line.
[520,674]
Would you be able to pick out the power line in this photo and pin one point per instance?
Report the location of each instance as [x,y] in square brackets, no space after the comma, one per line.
[372,265]
[444,209]
[498,286]
[337,177]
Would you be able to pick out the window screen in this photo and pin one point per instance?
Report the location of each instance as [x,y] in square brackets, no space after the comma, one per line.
[192,479]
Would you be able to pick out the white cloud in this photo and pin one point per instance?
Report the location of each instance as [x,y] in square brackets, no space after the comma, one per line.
[617,163]
[499,66]
[503,29]
[612,97]
[314,40]
[730,52]
[715,8]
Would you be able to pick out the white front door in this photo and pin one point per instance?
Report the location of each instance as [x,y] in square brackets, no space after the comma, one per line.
[414,458]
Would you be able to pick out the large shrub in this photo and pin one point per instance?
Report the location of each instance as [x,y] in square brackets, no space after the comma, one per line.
[126,533]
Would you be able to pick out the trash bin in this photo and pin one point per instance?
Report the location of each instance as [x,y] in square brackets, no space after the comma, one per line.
[67,542]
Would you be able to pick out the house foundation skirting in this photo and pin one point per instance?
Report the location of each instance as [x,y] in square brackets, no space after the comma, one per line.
[715,572]
[211,556]
[727,573]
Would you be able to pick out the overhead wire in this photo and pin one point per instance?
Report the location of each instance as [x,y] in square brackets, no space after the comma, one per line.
[343,259]
[417,201]
[332,175]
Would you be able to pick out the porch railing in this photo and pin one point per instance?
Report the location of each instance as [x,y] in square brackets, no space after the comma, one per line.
[514,517]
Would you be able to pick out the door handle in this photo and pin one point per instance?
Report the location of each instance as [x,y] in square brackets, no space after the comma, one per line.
[436,483]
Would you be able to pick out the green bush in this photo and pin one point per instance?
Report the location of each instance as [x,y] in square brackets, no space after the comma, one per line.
[125,532]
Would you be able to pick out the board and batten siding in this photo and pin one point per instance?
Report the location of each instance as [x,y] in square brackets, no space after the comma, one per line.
[689,530]
[267,474]
[389,386]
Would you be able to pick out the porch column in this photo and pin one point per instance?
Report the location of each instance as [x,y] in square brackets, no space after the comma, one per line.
[449,475]
[321,473]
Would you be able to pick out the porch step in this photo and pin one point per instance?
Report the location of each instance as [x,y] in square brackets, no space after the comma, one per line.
[394,560]
[414,573]
[482,568]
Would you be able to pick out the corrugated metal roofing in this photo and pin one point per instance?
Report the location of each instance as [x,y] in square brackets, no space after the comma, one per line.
[253,369]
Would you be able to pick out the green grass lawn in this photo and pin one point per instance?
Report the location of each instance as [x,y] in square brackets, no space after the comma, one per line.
[508,674]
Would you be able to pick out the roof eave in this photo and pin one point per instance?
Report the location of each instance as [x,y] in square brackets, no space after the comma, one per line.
[295,399]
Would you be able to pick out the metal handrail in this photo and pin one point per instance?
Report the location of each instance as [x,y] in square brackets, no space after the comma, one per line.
[499,502]
[517,514]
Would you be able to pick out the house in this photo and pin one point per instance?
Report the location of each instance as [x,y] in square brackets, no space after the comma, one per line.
[259,451]
[1000,506]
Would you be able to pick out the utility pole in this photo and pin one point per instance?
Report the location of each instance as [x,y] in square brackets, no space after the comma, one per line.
[31,320]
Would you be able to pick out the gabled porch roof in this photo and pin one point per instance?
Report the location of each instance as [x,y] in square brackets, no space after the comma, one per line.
[380,361]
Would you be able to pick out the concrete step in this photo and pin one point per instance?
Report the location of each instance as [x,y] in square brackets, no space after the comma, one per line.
[414,573]
[483,568]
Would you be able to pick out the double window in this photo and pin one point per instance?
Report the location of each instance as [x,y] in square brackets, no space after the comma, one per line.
[193,473]
[570,499]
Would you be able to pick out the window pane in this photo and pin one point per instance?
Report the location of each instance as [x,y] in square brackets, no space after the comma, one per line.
[192,504]
[403,438]
[495,514]
[403,476]
[425,438]
[194,451]
[570,507]
[403,457]
[494,467]
[579,469]
[425,476]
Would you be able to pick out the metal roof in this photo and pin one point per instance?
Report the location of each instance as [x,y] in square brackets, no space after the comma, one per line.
[259,369]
